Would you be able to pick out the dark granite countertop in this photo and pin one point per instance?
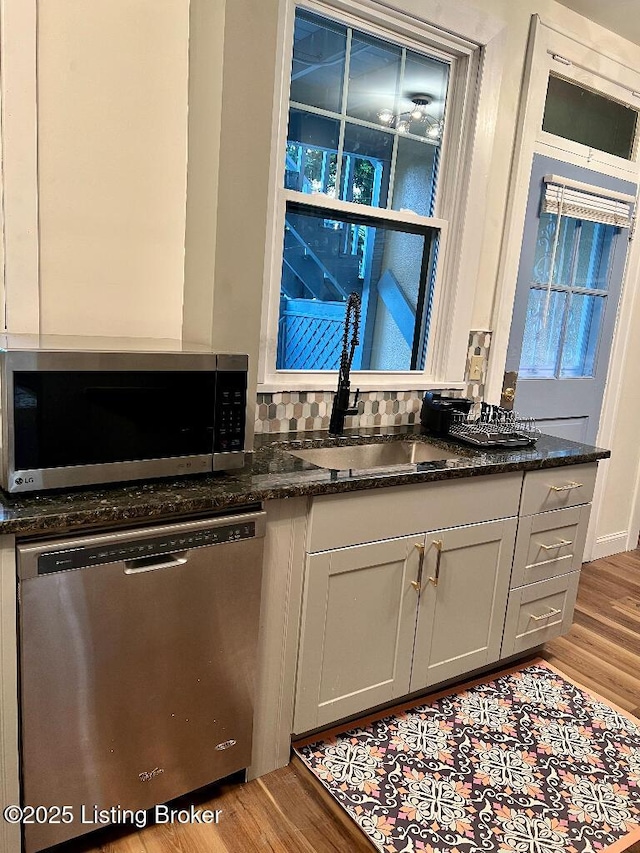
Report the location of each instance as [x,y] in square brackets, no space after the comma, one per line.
[272,473]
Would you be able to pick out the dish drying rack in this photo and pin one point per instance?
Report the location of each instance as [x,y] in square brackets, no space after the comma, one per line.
[493,427]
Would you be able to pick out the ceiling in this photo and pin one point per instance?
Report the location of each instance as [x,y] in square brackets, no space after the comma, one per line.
[619,16]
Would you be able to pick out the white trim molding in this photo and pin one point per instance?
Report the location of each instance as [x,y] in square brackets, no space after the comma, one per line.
[475,42]
[612,543]
[19,116]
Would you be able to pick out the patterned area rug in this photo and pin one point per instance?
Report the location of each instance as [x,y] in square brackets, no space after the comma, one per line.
[528,762]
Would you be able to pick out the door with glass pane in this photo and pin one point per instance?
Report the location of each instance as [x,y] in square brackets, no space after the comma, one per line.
[567,295]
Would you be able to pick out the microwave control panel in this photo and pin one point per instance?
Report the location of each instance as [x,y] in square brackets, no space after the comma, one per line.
[231,402]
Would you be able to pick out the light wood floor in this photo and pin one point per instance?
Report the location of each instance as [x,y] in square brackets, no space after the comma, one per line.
[289,812]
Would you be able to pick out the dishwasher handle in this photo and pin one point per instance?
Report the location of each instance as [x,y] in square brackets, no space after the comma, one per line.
[151,564]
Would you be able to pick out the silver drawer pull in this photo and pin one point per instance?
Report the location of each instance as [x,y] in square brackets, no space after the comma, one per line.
[545,615]
[567,487]
[561,544]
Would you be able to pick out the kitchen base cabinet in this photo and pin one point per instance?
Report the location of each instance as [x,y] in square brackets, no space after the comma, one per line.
[465,582]
[387,618]
[357,629]
[552,529]
[495,575]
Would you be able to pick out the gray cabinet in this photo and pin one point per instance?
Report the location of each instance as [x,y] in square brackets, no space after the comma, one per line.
[465,582]
[387,618]
[548,556]
[373,627]
[409,587]
[357,629]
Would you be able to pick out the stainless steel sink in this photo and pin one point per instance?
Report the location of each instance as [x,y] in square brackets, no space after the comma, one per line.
[362,457]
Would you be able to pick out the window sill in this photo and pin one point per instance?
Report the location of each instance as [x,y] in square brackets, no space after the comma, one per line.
[394,382]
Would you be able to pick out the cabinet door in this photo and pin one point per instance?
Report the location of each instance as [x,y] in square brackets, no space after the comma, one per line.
[358,626]
[465,583]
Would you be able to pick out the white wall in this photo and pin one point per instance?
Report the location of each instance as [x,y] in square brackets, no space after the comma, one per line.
[112,106]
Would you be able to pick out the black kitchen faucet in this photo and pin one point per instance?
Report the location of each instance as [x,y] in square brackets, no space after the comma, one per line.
[341,406]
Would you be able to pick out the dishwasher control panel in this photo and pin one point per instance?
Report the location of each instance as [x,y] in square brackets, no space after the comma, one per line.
[138,548]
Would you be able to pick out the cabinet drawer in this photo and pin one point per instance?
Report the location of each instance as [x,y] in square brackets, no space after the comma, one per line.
[539,612]
[549,544]
[556,488]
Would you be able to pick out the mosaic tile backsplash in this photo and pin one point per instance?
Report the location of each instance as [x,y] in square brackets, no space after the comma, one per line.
[302,411]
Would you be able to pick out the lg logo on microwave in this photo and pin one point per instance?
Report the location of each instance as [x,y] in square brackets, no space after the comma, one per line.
[20,480]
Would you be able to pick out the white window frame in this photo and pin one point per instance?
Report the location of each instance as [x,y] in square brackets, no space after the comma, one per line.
[459,193]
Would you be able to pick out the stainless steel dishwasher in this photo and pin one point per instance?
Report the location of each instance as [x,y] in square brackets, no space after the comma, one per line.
[137,665]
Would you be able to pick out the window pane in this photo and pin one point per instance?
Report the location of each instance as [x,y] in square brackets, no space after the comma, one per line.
[317,69]
[564,249]
[594,253]
[542,334]
[325,259]
[429,77]
[415,178]
[311,154]
[374,77]
[581,336]
[366,165]
[583,116]
[544,248]
[583,252]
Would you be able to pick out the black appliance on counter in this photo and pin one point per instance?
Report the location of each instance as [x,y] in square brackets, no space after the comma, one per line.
[84,411]
[491,427]
[437,411]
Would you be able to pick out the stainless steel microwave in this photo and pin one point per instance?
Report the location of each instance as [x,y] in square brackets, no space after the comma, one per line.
[74,418]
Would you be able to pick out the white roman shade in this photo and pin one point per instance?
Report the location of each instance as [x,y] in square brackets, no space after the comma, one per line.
[582,201]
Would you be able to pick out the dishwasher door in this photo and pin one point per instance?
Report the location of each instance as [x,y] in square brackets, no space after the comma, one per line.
[137,660]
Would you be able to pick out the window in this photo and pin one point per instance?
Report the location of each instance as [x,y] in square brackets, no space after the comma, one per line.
[365,127]
[381,116]
[576,113]
[389,264]
[569,286]
[563,319]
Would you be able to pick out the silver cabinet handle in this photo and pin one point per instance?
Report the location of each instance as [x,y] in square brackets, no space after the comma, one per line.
[439,544]
[553,612]
[561,544]
[567,487]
